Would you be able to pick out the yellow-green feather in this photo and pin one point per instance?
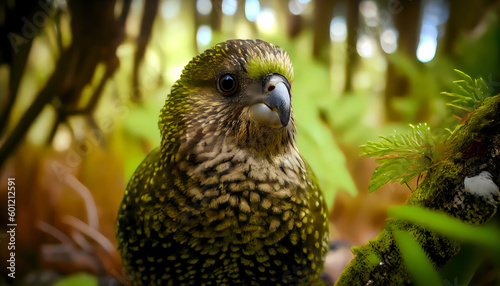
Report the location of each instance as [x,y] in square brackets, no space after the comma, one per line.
[202,210]
[264,65]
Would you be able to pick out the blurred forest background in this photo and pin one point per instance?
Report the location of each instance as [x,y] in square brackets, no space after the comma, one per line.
[82,84]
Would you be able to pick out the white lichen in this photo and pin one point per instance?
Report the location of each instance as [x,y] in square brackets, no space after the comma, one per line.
[481,185]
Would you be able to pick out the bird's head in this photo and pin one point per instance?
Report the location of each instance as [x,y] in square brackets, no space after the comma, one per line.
[238,91]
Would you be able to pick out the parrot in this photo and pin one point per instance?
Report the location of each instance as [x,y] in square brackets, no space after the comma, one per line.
[226,199]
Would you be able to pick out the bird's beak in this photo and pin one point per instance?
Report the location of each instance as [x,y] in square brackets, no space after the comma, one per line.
[276,107]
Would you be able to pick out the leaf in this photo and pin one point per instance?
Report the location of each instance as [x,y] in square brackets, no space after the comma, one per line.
[462,267]
[417,263]
[326,160]
[402,156]
[473,94]
[486,236]
[79,279]
[459,107]
[391,170]
[465,76]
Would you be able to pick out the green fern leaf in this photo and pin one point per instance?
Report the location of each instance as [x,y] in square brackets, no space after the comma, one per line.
[402,156]
[465,76]
[473,92]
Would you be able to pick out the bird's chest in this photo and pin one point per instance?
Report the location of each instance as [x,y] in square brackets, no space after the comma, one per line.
[232,214]
[231,198]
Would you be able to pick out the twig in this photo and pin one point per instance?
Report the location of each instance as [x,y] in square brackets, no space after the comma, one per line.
[90,232]
[56,233]
[88,199]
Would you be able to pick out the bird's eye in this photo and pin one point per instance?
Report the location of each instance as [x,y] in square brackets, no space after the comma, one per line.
[227,84]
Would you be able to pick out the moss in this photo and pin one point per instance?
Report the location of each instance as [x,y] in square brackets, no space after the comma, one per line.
[470,150]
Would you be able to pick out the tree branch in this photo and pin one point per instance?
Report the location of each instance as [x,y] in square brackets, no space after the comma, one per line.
[463,185]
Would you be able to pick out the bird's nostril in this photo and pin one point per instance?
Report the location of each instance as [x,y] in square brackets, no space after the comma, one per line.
[270,87]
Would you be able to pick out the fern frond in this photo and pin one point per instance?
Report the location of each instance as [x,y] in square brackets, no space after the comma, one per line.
[472,94]
[402,156]
[465,76]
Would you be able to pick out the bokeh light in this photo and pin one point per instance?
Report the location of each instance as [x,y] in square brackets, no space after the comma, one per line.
[365,46]
[296,7]
[369,10]
[204,7]
[252,10]
[338,29]
[426,50]
[229,7]
[389,40]
[170,9]
[435,14]
[266,20]
[203,36]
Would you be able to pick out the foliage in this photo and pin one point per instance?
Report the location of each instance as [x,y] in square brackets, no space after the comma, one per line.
[463,266]
[315,140]
[402,156]
[405,156]
[441,216]
[476,239]
[418,264]
[79,279]
[473,93]
[485,236]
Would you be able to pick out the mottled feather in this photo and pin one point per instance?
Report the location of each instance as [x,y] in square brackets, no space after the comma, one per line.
[223,201]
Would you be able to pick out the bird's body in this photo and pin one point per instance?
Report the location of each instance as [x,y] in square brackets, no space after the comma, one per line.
[226,199]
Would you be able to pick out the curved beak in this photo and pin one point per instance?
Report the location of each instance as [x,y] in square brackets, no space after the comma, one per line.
[278,97]
[273,106]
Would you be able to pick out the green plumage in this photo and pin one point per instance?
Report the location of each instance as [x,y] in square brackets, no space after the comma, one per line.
[225,199]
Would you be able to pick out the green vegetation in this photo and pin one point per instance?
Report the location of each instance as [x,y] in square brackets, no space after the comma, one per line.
[82,84]
[444,211]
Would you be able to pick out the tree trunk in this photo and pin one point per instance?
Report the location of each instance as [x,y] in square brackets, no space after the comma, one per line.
[323,13]
[472,151]
[406,19]
[352,39]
